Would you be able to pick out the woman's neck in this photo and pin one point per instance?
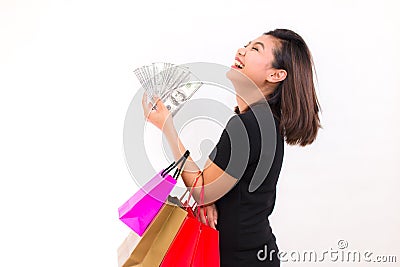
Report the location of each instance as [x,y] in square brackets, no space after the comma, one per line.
[243,105]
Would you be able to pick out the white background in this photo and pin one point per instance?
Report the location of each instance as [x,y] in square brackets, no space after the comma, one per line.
[66,81]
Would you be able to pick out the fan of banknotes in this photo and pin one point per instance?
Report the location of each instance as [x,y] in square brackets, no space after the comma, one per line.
[173,84]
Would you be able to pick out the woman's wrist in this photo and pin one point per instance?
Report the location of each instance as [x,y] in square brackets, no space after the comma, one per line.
[173,140]
[170,132]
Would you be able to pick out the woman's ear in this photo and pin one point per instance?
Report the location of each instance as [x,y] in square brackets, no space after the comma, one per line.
[276,76]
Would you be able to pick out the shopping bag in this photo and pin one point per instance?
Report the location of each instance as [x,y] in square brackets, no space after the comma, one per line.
[196,244]
[181,251]
[138,211]
[174,200]
[207,248]
[158,237]
[126,248]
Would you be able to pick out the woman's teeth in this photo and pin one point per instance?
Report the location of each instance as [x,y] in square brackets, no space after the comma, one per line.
[238,64]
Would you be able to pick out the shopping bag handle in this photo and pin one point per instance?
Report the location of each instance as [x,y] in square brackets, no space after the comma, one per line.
[201,202]
[175,164]
[179,170]
[199,205]
[190,192]
[191,188]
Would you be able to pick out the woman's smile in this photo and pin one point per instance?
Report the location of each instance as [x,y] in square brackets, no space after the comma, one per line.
[238,63]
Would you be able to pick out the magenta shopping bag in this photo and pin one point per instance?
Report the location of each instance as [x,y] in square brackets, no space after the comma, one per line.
[139,211]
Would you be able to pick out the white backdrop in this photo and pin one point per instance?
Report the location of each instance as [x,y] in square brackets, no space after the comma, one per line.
[66,81]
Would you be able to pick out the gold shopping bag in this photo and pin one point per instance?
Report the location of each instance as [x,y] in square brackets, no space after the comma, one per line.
[156,240]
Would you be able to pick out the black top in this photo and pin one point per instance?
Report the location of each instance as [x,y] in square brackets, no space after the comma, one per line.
[249,140]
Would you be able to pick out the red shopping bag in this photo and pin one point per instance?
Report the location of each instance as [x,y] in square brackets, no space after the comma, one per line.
[207,249]
[182,249]
[196,244]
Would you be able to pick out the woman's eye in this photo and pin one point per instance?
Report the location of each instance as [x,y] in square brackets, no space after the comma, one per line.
[255,48]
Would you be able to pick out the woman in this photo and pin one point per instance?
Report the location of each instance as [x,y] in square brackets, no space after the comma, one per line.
[275,68]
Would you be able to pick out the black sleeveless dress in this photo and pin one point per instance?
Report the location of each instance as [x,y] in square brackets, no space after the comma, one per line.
[246,238]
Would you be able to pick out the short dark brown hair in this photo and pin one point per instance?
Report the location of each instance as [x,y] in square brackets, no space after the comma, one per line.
[294,101]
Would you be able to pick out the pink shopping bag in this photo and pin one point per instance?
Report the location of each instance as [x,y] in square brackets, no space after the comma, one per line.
[139,211]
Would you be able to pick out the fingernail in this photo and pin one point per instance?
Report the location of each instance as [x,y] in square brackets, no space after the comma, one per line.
[215,222]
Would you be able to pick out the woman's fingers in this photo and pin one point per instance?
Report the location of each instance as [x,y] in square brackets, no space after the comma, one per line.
[211,216]
[211,222]
[203,218]
[159,104]
[146,106]
[215,212]
[150,109]
[156,113]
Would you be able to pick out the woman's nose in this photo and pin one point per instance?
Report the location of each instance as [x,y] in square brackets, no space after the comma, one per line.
[242,51]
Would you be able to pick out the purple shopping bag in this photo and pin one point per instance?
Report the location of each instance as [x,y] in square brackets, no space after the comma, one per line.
[139,211]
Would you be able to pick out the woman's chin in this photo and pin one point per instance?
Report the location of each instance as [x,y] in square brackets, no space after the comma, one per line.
[237,77]
[234,74]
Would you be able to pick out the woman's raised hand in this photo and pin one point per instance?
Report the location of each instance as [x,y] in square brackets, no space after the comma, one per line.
[160,116]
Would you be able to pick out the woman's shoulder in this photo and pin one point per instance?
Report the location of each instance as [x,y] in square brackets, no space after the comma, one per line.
[259,122]
[258,114]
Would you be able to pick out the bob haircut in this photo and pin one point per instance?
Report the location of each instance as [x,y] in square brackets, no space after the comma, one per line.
[294,101]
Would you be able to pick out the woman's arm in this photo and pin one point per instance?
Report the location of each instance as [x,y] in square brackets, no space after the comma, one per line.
[216,181]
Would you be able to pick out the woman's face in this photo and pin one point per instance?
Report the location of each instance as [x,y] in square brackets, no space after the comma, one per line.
[255,60]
